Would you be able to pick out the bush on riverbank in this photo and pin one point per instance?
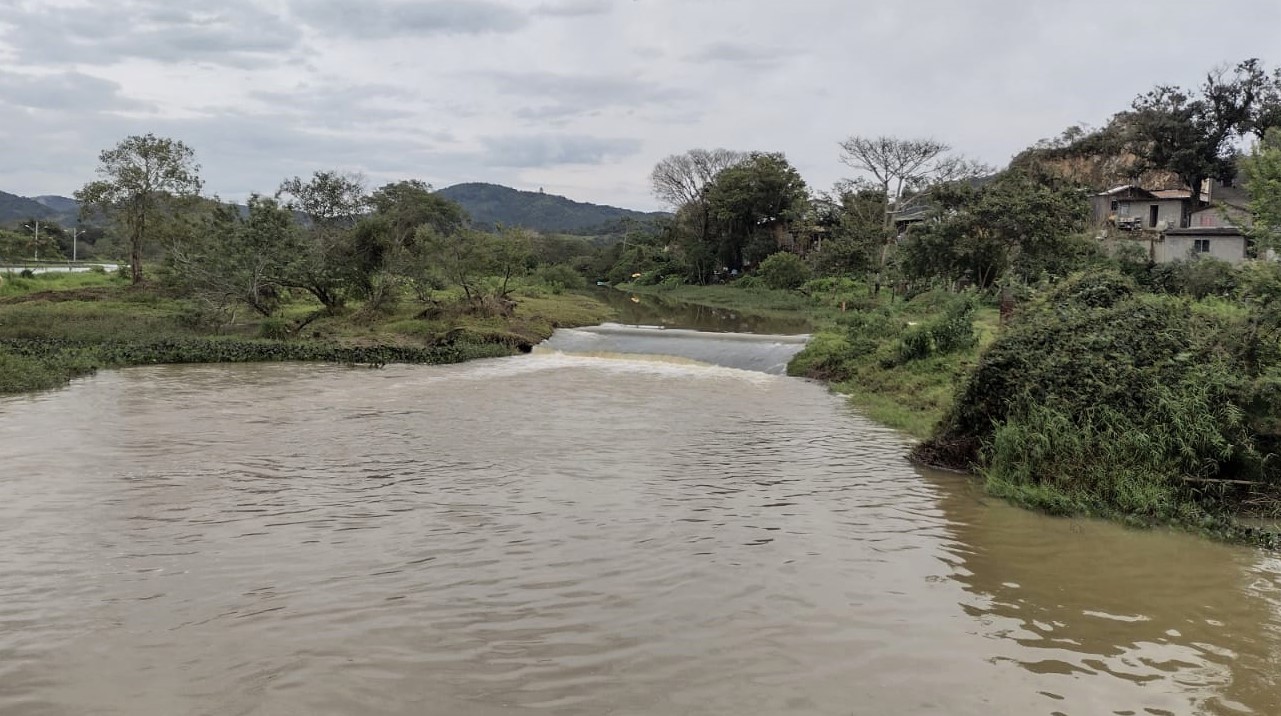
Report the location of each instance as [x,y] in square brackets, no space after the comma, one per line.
[1100,398]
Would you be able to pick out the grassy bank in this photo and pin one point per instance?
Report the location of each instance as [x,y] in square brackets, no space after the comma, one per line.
[857,346]
[760,301]
[55,327]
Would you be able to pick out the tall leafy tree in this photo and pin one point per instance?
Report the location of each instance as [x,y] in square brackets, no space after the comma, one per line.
[140,180]
[1193,133]
[408,205]
[751,200]
[1017,222]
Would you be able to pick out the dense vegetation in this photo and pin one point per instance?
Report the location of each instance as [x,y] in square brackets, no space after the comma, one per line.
[1072,376]
[977,309]
[323,270]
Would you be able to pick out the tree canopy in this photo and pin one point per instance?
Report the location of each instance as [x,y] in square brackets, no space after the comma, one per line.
[141,177]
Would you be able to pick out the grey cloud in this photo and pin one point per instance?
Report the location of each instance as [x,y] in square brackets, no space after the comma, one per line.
[374,19]
[546,150]
[331,105]
[742,54]
[64,91]
[552,114]
[234,33]
[574,8]
[586,91]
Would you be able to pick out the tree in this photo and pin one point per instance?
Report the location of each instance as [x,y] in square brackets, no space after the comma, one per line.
[1016,222]
[851,220]
[1193,133]
[230,259]
[409,205]
[1263,180]
[681,179]
[752,200]
[140,180]
[682,182]
[332,203]
[480,264]
[382,251]
[905,171]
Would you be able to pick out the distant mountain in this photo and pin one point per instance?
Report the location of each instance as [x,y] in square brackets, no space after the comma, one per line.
[60,209]
[61,204]
[14,209]
[491,205]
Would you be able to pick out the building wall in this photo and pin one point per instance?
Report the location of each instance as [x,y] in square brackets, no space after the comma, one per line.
[1179,248]
[1168,210]
[1220,216]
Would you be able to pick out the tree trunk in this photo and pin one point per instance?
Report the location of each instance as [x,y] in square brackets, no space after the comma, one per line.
[135,250]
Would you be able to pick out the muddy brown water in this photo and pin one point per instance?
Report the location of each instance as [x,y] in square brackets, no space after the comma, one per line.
[577,531]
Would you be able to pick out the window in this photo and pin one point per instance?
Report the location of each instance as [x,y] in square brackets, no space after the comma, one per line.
[1201,246]
[1114,205]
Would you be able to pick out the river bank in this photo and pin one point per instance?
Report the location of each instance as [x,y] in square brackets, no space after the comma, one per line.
[56,327]
[912,396]
[906,364]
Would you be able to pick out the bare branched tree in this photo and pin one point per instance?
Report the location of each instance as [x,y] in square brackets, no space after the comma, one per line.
[904,171]
[680,179]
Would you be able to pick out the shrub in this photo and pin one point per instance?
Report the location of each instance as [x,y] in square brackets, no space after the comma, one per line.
[1101,397]
[276,329]
[559,278]
[98,269]
[1098,289]
[26,273]
[950,332]
[783,271]
[825,357]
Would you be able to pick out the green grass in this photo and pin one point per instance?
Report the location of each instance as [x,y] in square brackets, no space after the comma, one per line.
[13,285]
[760,301]
[53,330]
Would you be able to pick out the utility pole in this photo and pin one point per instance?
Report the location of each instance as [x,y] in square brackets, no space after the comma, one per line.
[36,244]
[75,231]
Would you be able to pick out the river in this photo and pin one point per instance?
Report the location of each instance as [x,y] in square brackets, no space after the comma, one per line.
[590,529]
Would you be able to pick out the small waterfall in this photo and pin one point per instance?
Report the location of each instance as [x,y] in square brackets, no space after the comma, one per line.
[744,351]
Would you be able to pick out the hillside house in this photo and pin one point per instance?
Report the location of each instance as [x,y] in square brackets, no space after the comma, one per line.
[1170,226]
[1133,208]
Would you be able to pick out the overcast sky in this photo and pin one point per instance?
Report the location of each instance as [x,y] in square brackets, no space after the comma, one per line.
[580,97]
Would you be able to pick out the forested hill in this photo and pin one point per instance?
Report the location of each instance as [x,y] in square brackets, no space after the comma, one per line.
[14,208]
[491,205]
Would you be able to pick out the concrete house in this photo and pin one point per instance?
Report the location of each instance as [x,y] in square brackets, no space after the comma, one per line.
[1132,208]
[1170,226]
